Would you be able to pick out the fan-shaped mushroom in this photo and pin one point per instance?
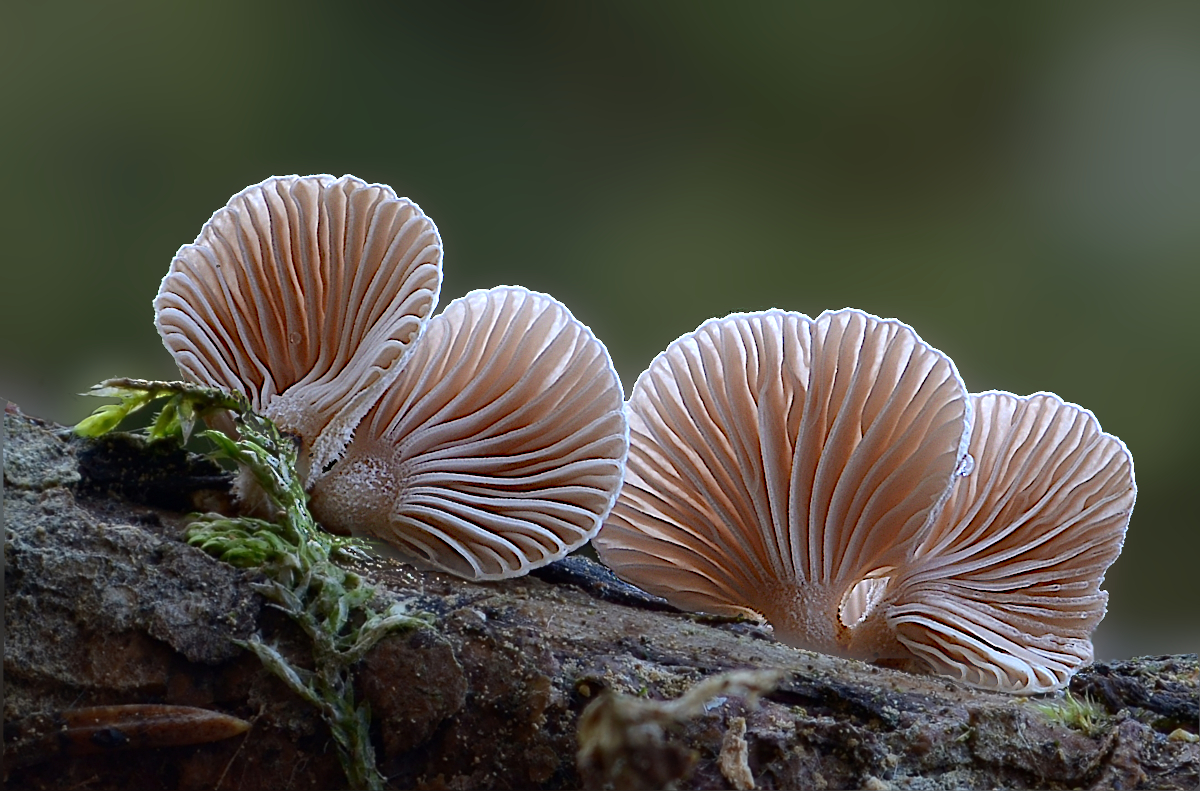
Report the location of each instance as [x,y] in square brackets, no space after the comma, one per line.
[306,295]
[499,449]
[798,469]
[776,462]
[1004,592]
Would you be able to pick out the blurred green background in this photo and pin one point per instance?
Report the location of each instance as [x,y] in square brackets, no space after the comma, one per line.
[1021,183]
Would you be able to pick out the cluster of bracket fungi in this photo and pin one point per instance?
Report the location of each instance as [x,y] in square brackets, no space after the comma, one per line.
[831,475]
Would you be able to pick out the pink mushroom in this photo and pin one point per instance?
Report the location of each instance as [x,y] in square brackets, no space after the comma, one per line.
[499,449]
[777,461]
[490,445]
[816,473]
[306,295]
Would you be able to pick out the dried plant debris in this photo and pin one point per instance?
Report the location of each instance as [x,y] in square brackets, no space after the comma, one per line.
[623,742]
[734,759]
[93,730]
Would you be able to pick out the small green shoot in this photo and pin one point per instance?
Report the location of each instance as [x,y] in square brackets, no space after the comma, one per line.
[186,402]
[1082,714]
[330,604]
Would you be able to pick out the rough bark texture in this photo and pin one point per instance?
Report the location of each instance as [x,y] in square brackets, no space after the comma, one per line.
[106,605]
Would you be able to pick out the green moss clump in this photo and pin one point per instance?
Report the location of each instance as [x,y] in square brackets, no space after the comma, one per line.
[1082,714]
[331,605]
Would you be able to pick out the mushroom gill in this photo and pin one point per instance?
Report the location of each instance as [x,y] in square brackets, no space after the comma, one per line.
[786,466]
[1004,591]
[499,449]
[305,294]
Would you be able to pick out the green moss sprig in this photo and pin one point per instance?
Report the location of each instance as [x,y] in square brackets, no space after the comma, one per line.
[1082,714]
[330,604]
[177,418]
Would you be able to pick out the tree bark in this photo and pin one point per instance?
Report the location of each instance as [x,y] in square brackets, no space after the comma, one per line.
[107,606]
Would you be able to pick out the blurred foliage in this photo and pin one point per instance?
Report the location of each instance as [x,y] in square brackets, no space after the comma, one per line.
[1019,182]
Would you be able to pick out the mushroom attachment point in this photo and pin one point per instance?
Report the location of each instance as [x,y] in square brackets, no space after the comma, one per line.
[499,449]
[305,294]
[786,466]
[1004,592]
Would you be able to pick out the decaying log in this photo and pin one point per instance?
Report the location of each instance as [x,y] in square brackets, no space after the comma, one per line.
[106,606]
